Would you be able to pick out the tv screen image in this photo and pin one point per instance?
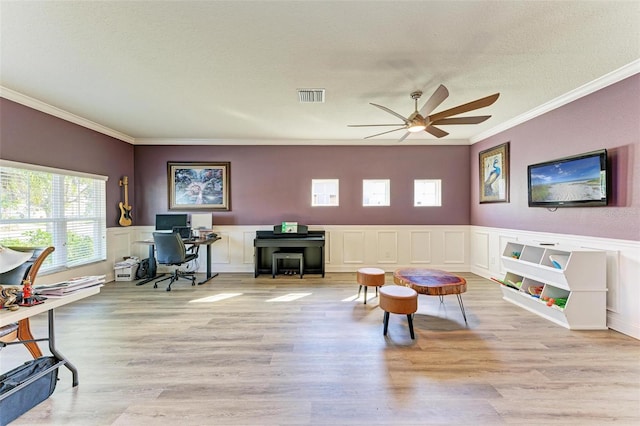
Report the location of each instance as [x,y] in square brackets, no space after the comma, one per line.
[575,181]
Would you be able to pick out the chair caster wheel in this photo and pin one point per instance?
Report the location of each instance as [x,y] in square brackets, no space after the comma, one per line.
[168,288]
[155,286]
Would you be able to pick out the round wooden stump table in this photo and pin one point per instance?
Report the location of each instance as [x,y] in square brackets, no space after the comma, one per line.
[432,282]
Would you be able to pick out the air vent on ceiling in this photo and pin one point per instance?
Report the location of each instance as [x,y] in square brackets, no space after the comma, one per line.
[311,95]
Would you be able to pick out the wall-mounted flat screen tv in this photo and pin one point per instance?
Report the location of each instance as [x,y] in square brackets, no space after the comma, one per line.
[576,181]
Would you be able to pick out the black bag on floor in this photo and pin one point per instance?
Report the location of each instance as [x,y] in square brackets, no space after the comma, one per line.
[143,270]
[26,386]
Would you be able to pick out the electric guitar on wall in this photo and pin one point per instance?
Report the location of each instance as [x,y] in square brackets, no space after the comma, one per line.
[125,208]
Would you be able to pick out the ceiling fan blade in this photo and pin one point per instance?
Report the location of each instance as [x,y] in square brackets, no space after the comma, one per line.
[470,106]
[404,136]
[438,133]
[436,99]
[369,125]
[384,133]
[389,111]
[463,120]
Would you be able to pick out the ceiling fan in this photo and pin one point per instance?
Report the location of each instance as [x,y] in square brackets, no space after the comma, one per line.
[421,120]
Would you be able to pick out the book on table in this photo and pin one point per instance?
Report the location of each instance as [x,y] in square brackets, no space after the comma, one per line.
[70,286]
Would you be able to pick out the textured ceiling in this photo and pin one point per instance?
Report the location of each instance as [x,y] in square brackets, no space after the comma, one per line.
[229,70]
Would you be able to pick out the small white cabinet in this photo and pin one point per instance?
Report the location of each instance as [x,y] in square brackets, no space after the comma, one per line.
[562,284]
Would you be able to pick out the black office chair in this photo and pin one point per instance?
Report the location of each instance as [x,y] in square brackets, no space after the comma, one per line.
[170,250]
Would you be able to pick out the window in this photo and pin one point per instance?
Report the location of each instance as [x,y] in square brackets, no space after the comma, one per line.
[324,192]
[40,206]
[376,192]
[427,192]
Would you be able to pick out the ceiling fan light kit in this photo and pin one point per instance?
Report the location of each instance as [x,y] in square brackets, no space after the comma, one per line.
[416,127]
[420,120]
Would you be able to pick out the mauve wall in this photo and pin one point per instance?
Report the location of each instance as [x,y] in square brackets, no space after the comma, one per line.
[270,184]
[609,118]
[30,136]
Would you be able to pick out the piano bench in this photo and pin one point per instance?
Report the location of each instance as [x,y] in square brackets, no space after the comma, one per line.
[279,255]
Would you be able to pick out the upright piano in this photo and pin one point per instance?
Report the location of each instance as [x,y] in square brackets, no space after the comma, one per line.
[310,243]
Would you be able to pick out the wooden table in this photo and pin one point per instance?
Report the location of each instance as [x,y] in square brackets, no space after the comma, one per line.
[432,282]
[9,317]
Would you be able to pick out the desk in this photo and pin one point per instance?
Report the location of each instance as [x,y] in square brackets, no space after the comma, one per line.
[195,242]
[49,305]
[432,282]
[206,242]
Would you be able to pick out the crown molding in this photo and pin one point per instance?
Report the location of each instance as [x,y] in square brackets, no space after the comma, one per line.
[30,102]
[309,142]
[584,90]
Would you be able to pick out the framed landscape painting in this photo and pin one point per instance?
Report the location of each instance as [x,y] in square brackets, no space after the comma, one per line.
[494,174]
[196,185]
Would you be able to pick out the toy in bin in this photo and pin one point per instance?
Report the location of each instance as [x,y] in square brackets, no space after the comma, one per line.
[559,261]
[535,290]
[559,301]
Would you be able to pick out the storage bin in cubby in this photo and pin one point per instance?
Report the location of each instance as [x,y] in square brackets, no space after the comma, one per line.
[512,279]
[528,282]
[561,257]
[551,292]
[532,254]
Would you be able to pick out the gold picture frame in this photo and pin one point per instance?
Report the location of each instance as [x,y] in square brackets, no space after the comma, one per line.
[494,174]
[199,185]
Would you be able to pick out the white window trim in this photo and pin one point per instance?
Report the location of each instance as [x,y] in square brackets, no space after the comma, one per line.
[438,194]
[387,195]
[321,181]
[59,222]
[37,168]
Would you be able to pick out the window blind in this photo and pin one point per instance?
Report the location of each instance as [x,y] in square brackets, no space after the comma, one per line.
[40,206]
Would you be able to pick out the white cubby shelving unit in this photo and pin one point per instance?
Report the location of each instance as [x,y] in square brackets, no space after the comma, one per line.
[579,276]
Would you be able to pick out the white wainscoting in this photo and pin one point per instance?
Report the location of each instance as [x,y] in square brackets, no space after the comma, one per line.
[119,244]
[623,267]
[455,248]
[391,247]
[347,248]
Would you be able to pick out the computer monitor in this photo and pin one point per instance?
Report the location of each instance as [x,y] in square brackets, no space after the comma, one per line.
[184,231]
[166,222]
[201,220]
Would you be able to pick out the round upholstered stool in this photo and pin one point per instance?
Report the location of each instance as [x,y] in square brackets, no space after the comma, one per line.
[366,277]
[396,299]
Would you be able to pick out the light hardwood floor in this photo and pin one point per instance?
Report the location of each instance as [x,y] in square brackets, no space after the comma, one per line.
[151,357]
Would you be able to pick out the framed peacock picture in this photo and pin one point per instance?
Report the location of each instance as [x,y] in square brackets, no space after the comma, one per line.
[494,174]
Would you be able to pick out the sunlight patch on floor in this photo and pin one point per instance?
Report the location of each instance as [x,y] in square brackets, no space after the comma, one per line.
[216,298]
[355,297]
[289,297]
